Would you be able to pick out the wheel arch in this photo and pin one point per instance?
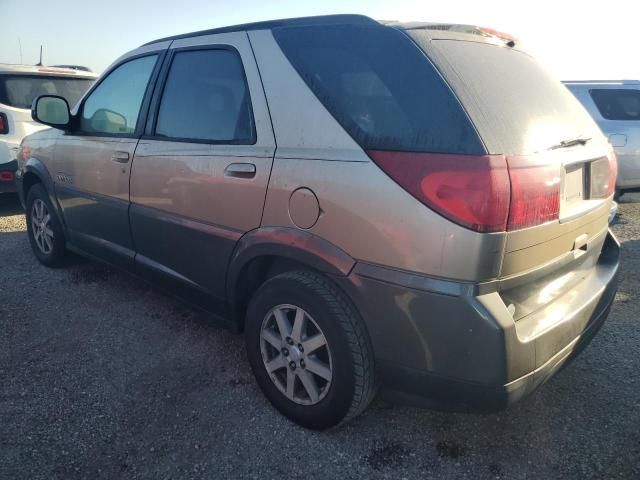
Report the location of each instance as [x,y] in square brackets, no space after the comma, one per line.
[263,253]
[34,172]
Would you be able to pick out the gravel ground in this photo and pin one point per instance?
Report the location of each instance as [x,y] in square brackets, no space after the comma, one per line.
[103,377]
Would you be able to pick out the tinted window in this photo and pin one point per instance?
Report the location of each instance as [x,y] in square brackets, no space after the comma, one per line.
[205,98]
[114,105]
[380,87]
[525,108]
[20,91]
[618,104]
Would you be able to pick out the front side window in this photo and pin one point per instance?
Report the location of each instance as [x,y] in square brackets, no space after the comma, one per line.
[206,98]
[617,104]
[113,107]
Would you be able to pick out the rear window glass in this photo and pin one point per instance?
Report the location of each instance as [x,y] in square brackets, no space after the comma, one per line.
[20,91]
[617,104]
[380,87]
[524,107]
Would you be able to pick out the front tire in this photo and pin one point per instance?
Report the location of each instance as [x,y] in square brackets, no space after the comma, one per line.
[309,350]
[44,228]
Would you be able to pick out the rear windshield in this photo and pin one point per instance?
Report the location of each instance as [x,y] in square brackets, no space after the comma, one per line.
[524,106]
[380,87]
[619,104]
[19,91]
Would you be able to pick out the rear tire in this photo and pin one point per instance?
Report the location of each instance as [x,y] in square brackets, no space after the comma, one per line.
[44,228]
[341,368]
[618,195]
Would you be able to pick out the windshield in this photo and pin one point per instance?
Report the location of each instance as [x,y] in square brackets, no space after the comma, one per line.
[525,107]
[19,91]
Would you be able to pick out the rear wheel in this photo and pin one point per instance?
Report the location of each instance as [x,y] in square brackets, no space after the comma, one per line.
[43,228]
[618,195]
[309,350]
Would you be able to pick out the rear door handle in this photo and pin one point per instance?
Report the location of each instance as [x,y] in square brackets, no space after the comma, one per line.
[240,170]
[120,157]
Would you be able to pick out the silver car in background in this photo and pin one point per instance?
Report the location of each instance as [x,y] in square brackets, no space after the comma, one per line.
[19,87]
[615,106]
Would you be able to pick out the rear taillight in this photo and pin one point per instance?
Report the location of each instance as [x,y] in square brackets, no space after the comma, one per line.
[472,191]
[486,193]
[4,124]
[7,177]
[535,193]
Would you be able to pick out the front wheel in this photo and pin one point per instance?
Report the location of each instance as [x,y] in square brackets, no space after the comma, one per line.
[309,350]
[43,228]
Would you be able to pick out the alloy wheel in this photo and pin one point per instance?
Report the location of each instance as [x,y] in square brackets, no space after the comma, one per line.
[41,226]
[296,354]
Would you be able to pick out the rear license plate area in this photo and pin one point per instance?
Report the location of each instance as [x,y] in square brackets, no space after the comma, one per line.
[574,190]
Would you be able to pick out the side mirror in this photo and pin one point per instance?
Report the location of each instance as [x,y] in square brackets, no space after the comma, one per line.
[51,110]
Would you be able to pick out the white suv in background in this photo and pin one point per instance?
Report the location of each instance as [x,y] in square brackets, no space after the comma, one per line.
[19,86]
[615,106]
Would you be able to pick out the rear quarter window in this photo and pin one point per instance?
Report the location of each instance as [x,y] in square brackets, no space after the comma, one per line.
[380,87]
[617,104]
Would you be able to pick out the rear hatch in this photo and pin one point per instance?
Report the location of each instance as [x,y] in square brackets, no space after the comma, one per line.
[475,129]
[550,143]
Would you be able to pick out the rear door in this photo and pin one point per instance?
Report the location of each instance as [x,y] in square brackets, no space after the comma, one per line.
[200,173]
[92,163]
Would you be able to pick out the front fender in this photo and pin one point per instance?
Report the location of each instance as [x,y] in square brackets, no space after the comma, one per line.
[36,167]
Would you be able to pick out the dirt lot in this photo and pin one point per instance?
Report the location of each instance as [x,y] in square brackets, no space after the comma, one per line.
[103,377]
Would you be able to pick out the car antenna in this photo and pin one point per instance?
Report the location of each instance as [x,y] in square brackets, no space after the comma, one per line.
[39,64]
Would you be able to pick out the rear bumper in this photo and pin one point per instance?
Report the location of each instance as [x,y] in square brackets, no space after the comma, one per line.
[442,345]
[7,186]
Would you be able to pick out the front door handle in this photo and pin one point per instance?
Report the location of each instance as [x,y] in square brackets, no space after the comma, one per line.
[120,157]
[240,170]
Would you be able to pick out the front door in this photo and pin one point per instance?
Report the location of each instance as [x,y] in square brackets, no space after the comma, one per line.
[201,171]
[92,162]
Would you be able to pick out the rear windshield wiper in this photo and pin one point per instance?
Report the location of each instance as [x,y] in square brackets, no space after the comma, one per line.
[570,143]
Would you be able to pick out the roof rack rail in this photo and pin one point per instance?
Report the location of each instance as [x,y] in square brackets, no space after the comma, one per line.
[285,22]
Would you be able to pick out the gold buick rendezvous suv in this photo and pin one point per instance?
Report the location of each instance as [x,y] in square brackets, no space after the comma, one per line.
[416,207]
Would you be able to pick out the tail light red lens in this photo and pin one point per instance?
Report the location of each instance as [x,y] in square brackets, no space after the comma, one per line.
[472,191]
[535,194]
[487,193]
[4,124]
[7,176]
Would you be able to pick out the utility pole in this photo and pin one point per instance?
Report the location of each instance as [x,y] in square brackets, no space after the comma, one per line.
[39,64]
[20,48]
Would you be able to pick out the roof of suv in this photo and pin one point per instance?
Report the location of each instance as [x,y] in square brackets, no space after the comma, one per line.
[44,70]
[352,19]
[602,82]
[285,22]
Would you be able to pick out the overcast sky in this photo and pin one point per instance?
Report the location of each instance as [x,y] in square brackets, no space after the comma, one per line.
[576,39]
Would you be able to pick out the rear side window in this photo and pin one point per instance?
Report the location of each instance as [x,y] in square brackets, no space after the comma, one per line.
[20,91]
[380,87]
[206,98]
[617,104]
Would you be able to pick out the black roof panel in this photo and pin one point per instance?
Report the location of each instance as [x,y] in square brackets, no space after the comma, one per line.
[287,22]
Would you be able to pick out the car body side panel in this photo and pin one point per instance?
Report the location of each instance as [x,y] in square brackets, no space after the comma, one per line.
[188,210]
[380,222]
